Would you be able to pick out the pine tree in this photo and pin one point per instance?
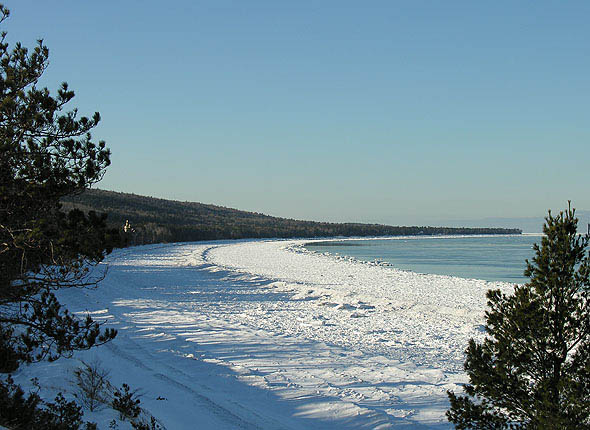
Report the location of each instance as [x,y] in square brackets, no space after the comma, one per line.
[532,371]
[46,153]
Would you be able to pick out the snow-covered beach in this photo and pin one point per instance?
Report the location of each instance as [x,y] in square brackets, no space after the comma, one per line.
[267,335]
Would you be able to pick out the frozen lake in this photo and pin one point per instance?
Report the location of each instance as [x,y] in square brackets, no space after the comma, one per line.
[493,258]
[268,335]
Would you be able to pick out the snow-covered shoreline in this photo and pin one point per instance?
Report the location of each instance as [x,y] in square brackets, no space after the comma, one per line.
[263,334]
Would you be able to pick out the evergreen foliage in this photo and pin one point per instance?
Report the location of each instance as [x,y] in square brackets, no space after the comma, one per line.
[532,371]
[126,401]
[29,411]
[46,153]
[158,220]
[145,425]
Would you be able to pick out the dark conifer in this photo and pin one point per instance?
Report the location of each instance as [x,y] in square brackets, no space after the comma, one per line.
[46,153]
[532,371]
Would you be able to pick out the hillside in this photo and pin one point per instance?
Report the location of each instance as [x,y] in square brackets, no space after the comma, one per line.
[158,220]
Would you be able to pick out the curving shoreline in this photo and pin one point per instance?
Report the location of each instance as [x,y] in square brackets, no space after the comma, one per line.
[258,334]
[492,258]
[435,313]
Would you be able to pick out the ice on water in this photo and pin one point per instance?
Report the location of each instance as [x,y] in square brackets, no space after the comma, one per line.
[264,334]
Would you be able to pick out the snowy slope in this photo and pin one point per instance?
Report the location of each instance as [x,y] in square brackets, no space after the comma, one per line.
[265,335]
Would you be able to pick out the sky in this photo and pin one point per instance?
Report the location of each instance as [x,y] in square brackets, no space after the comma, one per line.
[397,112]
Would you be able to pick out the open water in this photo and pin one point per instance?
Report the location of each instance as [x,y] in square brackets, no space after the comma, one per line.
[492,258]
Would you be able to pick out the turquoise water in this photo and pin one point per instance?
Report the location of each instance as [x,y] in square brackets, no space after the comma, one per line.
[493,258]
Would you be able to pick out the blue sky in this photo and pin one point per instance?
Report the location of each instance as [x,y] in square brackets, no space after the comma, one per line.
[409,112]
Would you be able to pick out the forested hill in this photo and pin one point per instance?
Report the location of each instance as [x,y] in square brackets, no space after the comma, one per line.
[157,220]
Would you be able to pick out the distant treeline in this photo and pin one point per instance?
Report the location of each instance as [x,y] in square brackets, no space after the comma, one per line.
[154,220]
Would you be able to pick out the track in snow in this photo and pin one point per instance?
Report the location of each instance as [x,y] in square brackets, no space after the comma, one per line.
[261,334]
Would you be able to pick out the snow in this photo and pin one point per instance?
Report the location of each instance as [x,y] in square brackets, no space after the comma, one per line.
[268,335]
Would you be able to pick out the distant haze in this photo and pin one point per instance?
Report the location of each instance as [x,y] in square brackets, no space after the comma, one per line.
[527,225]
